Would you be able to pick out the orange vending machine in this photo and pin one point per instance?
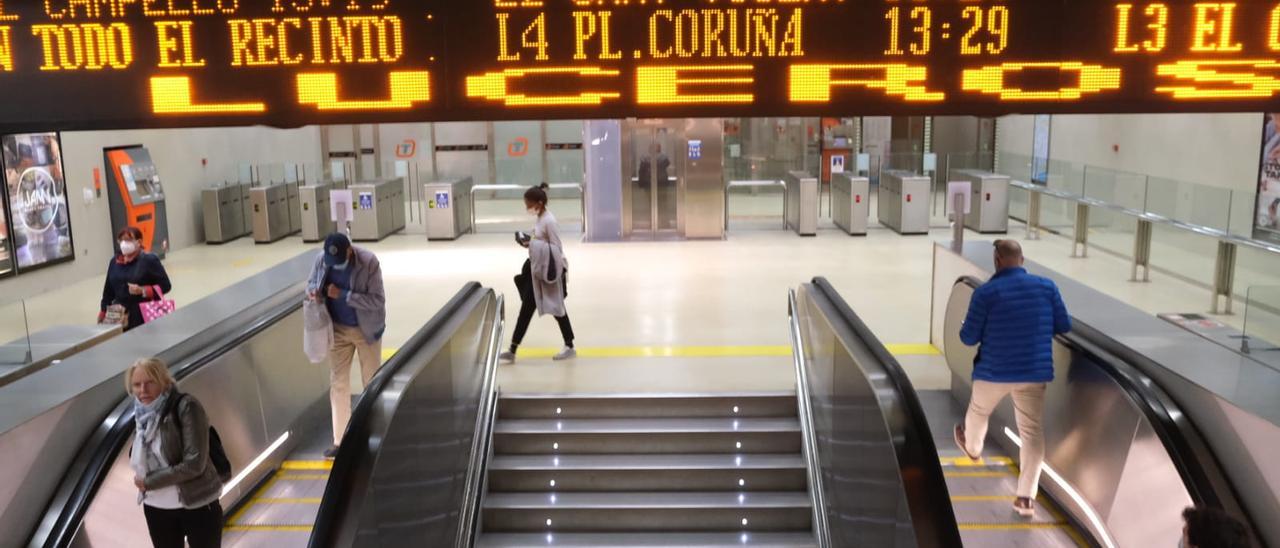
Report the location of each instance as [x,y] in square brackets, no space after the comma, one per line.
[136,196]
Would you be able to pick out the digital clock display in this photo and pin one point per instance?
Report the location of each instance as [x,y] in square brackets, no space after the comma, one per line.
[82,64]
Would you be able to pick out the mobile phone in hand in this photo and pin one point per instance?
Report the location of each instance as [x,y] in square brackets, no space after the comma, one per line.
[522,238]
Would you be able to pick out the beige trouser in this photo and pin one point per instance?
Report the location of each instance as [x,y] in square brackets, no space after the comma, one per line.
[1028,405]
[347,342]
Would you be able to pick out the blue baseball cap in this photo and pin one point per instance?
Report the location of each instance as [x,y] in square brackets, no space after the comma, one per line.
[335,249]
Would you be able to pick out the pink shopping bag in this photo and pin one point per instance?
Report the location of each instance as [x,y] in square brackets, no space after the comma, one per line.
[159,308]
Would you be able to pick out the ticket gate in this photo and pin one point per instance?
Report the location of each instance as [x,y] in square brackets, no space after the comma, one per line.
[379,208]
[223,209]
[446,208]
[317,218]
[271,217]
[989,201]
[850,203]
[802,203]
[903,201]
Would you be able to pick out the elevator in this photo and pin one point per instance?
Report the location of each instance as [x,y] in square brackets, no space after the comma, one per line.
[673,179]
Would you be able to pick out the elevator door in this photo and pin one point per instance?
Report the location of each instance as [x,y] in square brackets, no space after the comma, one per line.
[656,179]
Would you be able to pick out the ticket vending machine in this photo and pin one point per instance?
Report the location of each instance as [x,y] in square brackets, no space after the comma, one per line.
[136,196]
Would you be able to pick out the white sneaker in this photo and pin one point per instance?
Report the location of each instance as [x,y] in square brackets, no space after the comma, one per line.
[507,357]
[566,354]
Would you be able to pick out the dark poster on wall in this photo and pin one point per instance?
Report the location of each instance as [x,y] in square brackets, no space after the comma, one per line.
[36,194]
[6,255]
[1266,224]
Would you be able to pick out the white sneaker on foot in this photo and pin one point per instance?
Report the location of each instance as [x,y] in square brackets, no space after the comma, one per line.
[507,357]
[566,354]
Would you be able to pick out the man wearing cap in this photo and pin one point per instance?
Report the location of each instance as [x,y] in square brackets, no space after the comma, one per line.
[348,280]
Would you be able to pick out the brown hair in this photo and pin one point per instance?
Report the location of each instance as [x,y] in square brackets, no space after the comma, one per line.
[537,196]
[133,231]
[154,368]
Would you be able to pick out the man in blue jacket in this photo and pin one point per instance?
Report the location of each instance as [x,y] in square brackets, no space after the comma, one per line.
[1012,319]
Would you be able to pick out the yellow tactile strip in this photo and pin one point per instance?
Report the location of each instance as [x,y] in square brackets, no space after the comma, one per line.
[1005,467]
[290,470]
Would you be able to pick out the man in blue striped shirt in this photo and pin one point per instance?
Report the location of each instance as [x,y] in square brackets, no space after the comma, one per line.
[1012,320]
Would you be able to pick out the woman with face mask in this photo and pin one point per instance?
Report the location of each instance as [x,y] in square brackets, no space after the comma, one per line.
[133,277]
[178,485]
[542,281]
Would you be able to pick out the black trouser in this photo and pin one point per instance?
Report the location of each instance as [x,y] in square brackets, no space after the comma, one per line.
[529,305]
[199,527]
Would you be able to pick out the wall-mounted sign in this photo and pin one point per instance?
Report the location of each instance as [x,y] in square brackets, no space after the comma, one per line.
[37,197]
[115,64]
[695,149]
[837,163]
[518,147]
[407,149]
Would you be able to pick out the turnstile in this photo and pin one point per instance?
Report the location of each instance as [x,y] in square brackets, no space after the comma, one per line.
[379,209]
[902,203]
[802,203]
[850,203]
[446,208]
[271,219]
[989,201]
[295,207]
[223,214]
[246,206]
[317,219]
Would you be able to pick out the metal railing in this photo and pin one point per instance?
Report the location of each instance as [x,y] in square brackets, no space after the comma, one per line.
[817,497]
[552,186]
[764,183]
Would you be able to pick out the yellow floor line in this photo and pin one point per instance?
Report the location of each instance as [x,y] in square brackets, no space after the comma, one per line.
[308,500]
[235,518]
[285,528]
[307,465]
[967,462]
[1001,474]
[1011,526]
[303,477]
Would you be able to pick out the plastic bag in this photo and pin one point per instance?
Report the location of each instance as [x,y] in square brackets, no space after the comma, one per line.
[317,331]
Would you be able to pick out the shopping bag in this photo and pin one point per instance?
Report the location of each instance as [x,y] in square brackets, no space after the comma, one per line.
[159,308]
[116,314]
[317,331]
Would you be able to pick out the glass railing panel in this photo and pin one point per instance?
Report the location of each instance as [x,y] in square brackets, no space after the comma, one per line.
[1190,203]
[1262,318]
[1255,267]
[1066,177]
[1183,253]
[15,336]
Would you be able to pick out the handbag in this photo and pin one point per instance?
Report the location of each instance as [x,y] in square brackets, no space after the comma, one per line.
[159,308]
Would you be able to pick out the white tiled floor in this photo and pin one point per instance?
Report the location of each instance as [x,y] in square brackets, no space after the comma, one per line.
[696,293]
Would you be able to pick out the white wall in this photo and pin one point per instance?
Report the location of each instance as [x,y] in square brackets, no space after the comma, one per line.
[188,160]
[1219,150]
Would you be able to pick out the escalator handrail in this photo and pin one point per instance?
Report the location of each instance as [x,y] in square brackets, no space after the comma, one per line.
[932,515]
[65,513]
[813,465]
[339,490]
[481,447]
[1197,465]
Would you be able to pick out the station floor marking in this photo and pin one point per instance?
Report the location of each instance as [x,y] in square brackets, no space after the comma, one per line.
[747,351]
[294,465]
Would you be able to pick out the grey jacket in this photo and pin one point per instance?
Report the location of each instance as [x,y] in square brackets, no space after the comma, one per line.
[186,446]
[367,295]
[546,265]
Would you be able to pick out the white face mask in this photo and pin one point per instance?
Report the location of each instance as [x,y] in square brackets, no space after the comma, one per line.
[533,211]
[128,247]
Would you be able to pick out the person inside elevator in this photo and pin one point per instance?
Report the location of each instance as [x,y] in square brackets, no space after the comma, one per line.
[133,277]
[543,280]
[178,484]
[348,280]
[1012,319]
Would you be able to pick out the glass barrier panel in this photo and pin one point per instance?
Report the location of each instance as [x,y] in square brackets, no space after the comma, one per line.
[15,337]
[1191,203]
[1067,177]
[1016,166]
[1057,215]
[1255,267]
[1184,253]
[1262,318]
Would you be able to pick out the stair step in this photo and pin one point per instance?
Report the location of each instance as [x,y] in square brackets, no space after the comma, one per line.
[647,511]
[646,540]
[646,436]
[767,472]
[604,406]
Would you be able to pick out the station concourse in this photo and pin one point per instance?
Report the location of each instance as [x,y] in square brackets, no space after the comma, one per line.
[769,223]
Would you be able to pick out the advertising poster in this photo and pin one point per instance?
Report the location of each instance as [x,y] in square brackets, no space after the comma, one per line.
[1267,224]
[6,255]
[37,196]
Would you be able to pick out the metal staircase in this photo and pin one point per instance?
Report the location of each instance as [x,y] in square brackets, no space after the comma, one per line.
[660,470]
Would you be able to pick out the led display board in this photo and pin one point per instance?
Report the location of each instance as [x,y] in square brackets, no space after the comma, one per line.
[69,64]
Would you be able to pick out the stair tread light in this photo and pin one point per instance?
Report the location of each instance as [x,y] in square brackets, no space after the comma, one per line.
[742,482]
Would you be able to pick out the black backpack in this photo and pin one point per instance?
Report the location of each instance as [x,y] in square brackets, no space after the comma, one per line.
[217,454]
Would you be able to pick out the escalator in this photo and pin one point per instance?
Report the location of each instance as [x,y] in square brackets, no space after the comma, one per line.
[270,406]
[1121,460]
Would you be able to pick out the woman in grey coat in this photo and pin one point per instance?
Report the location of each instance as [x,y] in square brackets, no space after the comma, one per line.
[542,289]
[177,482]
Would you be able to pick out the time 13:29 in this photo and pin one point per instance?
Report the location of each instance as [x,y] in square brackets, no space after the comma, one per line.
[981,30]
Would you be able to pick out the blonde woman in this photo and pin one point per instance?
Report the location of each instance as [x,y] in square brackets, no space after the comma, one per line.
[178,485]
